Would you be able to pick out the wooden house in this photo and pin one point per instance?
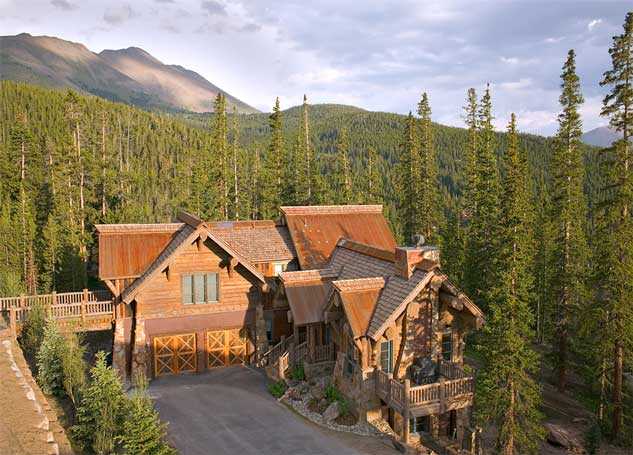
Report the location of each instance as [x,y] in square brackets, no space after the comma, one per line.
[193,295]
[393,326]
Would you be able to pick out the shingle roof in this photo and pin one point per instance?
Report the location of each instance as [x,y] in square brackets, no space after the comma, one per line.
[257,241]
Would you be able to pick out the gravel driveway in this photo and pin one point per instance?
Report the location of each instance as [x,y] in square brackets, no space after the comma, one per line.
[229,411]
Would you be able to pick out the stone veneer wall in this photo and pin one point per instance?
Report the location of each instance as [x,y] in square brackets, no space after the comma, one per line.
[359,388]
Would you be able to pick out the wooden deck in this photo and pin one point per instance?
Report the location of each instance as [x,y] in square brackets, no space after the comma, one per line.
[454,390]
[74,311]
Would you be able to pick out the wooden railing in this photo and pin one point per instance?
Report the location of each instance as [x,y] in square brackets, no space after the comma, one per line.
[63,298]
[87,310]
[451,370]
[393,392]
[300,353]
[323,353]
[270,357]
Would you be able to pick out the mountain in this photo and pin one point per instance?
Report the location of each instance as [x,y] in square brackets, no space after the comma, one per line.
[130,75]
[602,136]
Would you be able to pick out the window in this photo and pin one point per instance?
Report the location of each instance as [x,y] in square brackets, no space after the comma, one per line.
[447,346]
[278,268]
[200,288]
[386,355]
[269,329]
[419,425]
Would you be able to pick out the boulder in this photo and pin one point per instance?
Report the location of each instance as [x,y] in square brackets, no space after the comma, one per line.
[332,412]
[295,393]
[561,437]
[317,392]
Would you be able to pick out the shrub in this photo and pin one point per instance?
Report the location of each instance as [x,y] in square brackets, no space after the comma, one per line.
[332,394]
[593,438]
[102,409]
[143,433]
[344,407]
[33,330]
[297,373]
[277,389]
[73,366]
[50,372]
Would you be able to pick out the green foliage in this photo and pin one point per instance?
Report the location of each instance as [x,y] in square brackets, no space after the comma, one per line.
[277,389]
[33,330]
[332,394]
[142,432]
[74,366]
[102,410]
[506,393]
[50,371]
[593,438]
[297,373]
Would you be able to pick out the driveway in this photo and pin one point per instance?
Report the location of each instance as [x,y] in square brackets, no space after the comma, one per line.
[229,411]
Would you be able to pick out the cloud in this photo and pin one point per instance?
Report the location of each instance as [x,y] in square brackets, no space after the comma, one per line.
[213,8]
[118,15]
[64,4]
[164,1]
[510,60]
[593,24]
[516,85]
[552,40]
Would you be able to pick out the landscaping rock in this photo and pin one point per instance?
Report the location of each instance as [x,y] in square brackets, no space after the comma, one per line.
[295,393]
[332,412]
[561,437]
[318,392]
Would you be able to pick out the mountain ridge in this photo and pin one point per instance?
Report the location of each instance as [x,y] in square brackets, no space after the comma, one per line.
[130,75]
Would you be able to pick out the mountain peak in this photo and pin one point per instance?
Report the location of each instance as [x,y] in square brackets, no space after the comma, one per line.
[130,75]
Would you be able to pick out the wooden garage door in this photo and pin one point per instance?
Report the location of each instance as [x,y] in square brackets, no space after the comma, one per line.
[175,354]
[225,347]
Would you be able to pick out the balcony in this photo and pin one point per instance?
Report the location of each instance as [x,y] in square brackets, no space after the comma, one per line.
[453,389]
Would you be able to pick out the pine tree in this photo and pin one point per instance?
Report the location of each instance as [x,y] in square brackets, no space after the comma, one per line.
[484,208]
[273,167]
[310,187]
[342,180]
[429,203]
[470,117]
[615,251]
[142,432]
[569,212]
[408,178]
[220,155]
[50,372]
[373,193]
[235,166]
[102,410]
[74,366]
[453,243]
[506,392]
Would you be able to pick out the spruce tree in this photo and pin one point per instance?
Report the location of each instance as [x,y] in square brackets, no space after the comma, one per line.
[429,209]
[50,372]
[373,193]
[273,167]
[219,159]
[102,411]
[507,394]
[569,212]
[408,179]
[484,207]
[341,176]
[142,432]
[615,249]
[453,243]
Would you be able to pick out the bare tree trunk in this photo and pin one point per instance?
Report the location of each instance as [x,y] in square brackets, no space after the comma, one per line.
[617,388]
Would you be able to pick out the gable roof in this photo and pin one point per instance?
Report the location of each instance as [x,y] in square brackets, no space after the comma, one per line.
[359,298]
[307,293]
[257,241]
[127,250]
[191,230]
[315,230]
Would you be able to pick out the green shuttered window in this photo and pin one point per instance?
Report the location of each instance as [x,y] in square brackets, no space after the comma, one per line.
[386,356]
[200,288]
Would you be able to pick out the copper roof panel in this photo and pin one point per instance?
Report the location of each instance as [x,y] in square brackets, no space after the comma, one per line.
[307,300]
[126,251]
[315,231]
[359,306]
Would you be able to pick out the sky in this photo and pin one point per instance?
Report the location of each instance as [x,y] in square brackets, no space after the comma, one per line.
[378,55]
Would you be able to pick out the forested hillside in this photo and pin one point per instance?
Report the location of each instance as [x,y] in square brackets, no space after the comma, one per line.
[69,162]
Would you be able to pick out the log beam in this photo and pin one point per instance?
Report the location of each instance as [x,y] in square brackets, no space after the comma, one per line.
[452,301]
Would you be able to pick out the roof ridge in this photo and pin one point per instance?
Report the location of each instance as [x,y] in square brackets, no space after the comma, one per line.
[329,209]
[360,284]
[138,227]
[307,275]
[368,250]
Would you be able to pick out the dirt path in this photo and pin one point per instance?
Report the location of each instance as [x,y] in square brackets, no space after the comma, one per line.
[27,424]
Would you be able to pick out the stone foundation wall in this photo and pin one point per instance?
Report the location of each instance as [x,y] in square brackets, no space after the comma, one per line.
[359,388]
[315,370]
[140,351]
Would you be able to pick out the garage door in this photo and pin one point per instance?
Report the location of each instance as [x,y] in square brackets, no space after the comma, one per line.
[174,354]
[225,347]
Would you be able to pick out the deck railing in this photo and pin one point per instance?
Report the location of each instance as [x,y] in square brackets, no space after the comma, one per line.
[451,370]
[323,353]
[83,310]
[300,353]
[272,355]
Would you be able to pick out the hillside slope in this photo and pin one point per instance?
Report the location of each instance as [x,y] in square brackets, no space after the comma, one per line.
[130,75]
[602,136]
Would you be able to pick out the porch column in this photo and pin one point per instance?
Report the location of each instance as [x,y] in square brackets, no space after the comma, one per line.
[121,346]
[406,415]
[261,341]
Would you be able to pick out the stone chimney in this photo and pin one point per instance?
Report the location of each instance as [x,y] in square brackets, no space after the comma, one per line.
[407,258]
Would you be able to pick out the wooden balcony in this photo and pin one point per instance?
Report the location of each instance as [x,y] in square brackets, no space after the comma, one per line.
[454,390]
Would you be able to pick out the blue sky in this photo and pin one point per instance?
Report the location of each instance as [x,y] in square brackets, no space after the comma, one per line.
[378,55]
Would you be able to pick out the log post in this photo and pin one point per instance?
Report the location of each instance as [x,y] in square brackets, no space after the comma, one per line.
[406,415]
[390,377]
[21,300]
[442,394]
[84,301]
[13,322]
[54,298]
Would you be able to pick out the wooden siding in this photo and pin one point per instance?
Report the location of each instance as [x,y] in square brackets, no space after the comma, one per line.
[163,298]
